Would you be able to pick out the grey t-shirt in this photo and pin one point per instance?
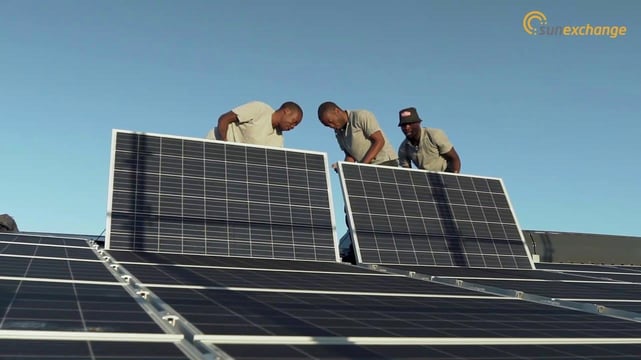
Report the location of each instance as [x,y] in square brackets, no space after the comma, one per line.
[254,126]
[427,155]
[354,138]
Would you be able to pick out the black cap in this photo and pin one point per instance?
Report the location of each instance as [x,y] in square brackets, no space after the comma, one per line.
[408,116]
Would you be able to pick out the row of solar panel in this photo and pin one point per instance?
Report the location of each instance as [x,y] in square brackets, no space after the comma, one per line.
[63,287]
[195,196]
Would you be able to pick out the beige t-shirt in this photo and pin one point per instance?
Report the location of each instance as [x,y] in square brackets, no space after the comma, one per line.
[354,138]
[254,126]
[427,155]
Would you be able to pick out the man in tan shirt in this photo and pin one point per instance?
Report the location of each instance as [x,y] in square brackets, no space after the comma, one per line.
[257,123]
[358,135]
[426,148]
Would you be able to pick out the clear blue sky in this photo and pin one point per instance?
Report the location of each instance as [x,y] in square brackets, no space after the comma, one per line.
[558,118]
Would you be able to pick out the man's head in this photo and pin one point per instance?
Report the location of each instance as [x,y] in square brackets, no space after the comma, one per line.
[332,116]
[288,116]
[410,123]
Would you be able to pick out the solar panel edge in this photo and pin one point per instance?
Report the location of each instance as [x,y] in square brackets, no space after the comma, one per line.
[518,225]
[204,140]
[331,208]
[339,164]
[355,249]
[110,186]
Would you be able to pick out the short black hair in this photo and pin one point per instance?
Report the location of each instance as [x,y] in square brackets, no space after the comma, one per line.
[325,107]
[292,106]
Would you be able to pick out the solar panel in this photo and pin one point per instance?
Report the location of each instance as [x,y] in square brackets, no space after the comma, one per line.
[61,300]
[416,217]
[267,308]
[224,273]
[72,306]
[42,349]
[330,298]
[194,196]
[258,308]
[440,352]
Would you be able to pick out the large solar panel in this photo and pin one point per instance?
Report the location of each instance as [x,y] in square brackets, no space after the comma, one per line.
[194,196]
[416,217]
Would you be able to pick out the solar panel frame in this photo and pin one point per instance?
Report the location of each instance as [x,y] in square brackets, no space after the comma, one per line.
[457,211]
[284,211]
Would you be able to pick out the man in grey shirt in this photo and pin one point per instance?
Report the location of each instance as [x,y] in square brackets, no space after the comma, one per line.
[427,148]
[361,139]
[358,135]
[257,123]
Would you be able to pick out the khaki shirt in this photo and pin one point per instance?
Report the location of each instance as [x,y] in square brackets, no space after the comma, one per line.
[254,126]
[354,138]
[427,155]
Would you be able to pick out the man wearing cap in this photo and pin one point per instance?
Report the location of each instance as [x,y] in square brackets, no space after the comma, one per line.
[427,148]
[257,123]
[358,135]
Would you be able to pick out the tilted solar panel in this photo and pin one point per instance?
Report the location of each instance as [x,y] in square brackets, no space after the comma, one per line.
[194,196]
[415,217]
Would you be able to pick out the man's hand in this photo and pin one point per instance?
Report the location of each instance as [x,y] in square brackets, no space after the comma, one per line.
[223,123]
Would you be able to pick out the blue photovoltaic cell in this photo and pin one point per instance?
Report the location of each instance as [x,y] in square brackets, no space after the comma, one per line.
[415,217]
[90,350]
[193,196]
[53,306]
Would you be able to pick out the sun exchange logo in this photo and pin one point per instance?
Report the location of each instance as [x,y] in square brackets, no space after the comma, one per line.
[529,17]
[538,18]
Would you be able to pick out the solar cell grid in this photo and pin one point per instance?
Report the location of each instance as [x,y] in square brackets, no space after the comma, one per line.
[54,269]
[134,257]
[258,313]
[575,290]
[195,196]
[443,352]
[403,216]
[287,280]
[93,350]
[41,239]
[37,250]
[40,305]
